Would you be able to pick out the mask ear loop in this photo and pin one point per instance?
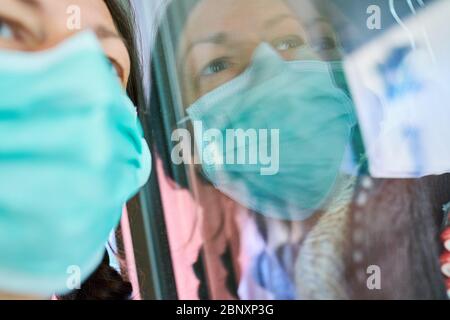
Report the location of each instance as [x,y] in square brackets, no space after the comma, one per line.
[408,31]
[424,31]
[400,22]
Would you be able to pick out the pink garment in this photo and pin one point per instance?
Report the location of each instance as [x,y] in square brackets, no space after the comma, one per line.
[182,223]
[207,224]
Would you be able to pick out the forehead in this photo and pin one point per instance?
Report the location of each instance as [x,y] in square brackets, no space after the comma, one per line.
[211,16]
[89,11]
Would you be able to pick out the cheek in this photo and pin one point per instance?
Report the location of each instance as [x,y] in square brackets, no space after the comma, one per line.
[210,83]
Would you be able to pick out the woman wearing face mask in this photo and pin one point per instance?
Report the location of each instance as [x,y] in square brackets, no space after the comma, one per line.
[269,64]
[265,73]
[72,151]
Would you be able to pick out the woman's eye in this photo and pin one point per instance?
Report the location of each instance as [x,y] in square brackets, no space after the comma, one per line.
[287,43]
[215,67]
[6,32]
[115,68]
[112,66]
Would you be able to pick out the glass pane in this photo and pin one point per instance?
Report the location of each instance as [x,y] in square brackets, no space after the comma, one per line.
[302,146]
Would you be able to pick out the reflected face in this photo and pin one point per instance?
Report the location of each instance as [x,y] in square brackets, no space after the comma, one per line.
[221,35]
[35,25]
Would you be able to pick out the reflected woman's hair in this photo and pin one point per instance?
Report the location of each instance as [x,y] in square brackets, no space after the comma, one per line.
[163,102]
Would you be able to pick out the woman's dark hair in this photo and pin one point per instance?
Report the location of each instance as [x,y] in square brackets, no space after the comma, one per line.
[125,22]
[106,283]
[400,227]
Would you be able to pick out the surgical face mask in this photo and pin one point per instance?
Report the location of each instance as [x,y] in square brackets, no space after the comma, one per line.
[276,135]
[71,154]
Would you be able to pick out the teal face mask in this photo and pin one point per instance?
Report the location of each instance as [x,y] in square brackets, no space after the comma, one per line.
[71,154]
[314,120]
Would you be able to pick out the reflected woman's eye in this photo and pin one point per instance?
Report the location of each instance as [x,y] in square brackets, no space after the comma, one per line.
[216,66]
[6,32]
[324,44]
[287,43]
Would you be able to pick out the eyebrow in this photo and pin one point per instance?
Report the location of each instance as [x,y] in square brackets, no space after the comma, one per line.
[32,3]
[316,21]
[104,32]
[220,38]
[276,20]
